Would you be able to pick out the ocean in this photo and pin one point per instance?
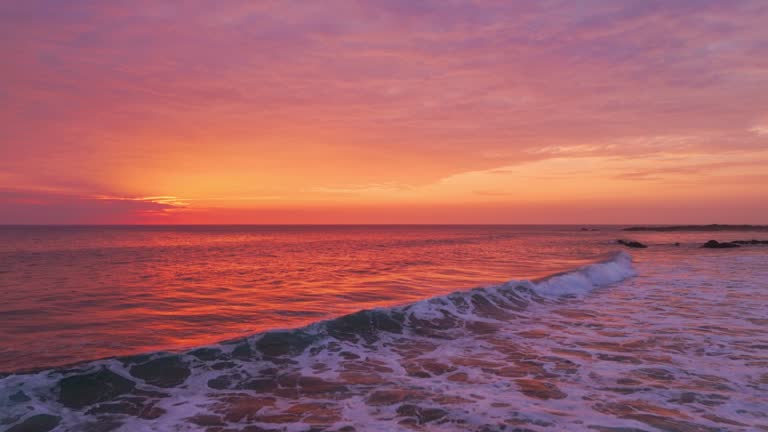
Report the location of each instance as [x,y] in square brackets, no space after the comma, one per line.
[381,328]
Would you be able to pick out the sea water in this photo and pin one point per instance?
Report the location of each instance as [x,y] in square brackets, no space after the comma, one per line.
[487,328]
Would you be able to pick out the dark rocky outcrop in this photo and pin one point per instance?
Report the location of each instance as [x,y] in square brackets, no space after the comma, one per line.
[714,244]
[751,242]
[713,227]
[631,244]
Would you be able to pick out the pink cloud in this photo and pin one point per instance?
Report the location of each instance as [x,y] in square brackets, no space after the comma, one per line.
[36,207]
[96,95]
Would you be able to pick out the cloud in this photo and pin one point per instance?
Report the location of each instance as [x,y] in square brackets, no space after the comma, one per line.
[360,189]
[40,207]
[298,101]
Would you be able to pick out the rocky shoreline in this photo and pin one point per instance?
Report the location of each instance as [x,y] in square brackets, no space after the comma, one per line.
[711,244]
[705,228]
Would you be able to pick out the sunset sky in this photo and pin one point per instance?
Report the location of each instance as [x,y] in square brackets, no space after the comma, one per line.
[384,112]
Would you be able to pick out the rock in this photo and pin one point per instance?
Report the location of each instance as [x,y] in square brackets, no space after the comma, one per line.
[79,391]
[750,242]
[714,244]
[162,372]
[714,227]
[631,244]
[36,423]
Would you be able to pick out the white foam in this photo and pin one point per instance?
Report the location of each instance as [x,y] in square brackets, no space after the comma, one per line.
[576,282]
[587,278]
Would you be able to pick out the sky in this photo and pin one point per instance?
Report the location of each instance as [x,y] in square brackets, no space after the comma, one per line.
[397,111]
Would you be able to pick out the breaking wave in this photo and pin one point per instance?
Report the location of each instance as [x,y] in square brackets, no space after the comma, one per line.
[438,316]
[254,380]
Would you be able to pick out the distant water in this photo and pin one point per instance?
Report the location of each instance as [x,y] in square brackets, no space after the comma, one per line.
[672,338]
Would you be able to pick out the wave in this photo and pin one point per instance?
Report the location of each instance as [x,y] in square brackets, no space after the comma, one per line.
[127,390]
[438,316]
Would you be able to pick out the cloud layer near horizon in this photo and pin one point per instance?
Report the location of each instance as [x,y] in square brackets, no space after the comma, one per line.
[474,111]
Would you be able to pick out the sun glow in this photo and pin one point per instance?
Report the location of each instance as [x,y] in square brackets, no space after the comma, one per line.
[373,122]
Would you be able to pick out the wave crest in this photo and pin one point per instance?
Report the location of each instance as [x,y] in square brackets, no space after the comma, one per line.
[440,316]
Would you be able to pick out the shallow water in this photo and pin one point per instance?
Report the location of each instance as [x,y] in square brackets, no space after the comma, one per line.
[680,346]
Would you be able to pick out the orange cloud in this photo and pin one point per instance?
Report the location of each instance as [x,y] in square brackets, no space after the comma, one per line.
[246,110]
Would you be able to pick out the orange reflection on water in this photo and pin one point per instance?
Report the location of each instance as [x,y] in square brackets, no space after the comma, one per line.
[75,293]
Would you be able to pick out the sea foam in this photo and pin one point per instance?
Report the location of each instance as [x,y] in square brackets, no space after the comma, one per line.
[582,280]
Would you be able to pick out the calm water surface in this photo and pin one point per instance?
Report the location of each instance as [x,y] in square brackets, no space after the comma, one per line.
[78,293]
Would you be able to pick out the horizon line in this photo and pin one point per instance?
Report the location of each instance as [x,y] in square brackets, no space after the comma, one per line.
[367,224]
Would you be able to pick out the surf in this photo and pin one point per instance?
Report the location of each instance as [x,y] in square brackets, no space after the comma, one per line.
[141,388]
